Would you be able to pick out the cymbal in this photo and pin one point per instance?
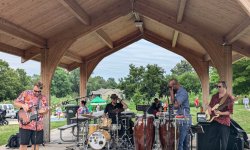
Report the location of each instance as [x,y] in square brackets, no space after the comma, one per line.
[88,115]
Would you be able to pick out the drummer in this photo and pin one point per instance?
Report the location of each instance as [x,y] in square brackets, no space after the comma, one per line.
[114,108]
[83,109]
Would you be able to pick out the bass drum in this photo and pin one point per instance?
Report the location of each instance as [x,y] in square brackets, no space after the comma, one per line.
[167,134]
[140,126]
[98,139]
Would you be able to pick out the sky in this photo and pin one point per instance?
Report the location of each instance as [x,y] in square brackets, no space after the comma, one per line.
[115,65]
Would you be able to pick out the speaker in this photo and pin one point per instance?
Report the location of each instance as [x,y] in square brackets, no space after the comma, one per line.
[235,143]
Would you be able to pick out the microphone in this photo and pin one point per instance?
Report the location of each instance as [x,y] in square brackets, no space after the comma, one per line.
[83,97]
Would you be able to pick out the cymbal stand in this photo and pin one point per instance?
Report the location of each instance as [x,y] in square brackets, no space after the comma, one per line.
[125,137]
[117,132]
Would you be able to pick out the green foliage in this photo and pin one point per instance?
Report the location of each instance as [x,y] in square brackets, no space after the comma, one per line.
[241,74]
[61,85]
[190,81]
[12,81]
[182,67]
[74,78]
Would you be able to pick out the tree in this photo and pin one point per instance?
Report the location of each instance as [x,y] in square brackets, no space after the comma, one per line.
[110,83]
[61,85]
[74,78]
[182,67]
[95,83]
[190,81]
[9,84]
[241,76]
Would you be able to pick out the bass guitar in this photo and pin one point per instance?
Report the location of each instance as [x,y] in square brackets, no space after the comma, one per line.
[218,107]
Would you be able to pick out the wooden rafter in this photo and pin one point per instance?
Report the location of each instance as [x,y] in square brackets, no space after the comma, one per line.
[206,57]
[76,10]
[236,57]
[237,32]
[73,57]
[241,49]
[18,32]
[115,11]
[104,37]
[245,5]
[119,44]
[175,37]
[31,53]
[183,51]
[11,50]
[181,9]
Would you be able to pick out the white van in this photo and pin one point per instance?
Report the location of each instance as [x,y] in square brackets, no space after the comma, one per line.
[10,112]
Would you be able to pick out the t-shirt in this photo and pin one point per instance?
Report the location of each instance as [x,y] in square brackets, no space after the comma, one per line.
[182,98]
[110,110]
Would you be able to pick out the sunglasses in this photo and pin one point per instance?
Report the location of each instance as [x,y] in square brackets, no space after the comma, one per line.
[218,86]
[37,91]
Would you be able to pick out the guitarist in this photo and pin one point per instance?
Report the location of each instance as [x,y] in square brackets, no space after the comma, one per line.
[29,101]
[220,127]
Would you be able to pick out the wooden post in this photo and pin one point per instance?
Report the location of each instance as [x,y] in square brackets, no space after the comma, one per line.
[227,70]
[45,74]
[83,79]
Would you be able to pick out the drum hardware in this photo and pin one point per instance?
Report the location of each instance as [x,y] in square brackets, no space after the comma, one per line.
[157,145]
[126,137]
[98,139]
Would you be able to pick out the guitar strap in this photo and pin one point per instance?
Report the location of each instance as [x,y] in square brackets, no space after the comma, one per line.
[223,99]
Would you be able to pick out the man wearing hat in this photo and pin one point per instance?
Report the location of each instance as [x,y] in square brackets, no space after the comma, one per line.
[114,108]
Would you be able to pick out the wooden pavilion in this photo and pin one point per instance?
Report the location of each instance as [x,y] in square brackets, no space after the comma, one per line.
[80,33]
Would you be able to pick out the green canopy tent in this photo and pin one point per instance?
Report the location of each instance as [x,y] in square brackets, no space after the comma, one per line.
[98,101]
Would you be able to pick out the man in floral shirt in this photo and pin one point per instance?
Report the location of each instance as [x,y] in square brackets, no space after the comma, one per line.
[29,101]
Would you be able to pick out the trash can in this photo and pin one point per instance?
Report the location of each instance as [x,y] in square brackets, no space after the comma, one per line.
[70,112]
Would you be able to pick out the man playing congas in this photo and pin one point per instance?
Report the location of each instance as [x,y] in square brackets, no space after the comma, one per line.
[179,98]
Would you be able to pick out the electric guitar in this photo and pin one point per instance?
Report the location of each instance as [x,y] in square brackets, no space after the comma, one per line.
[32,114]
[218,107]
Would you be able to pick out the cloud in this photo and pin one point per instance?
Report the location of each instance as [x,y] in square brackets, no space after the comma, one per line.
[115,65]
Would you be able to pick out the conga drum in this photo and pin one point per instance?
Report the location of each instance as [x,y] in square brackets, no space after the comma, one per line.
[168,138]
[141,126]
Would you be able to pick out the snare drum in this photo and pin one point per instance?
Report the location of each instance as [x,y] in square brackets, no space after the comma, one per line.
[105,123]
[140,126]
[98,139]
[93,128]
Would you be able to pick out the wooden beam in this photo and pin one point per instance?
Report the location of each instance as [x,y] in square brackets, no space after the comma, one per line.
[206,57]
[175,37]
[138,22]
[73,57]
[73,66]
[31,54]
[114,11]
[245,5]
[119,44]
[237,32]
[76,10]
[241,49]
[180,50]
[11,50]
[18,32]
[104,37]
[181,9]
[236,57]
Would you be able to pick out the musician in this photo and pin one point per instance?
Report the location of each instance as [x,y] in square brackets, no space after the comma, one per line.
[83,109]
[179,98]
[28,100]
[155,107]
[114,108]
[220,127]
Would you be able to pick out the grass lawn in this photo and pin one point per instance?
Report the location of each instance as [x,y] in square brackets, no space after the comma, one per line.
[6,131]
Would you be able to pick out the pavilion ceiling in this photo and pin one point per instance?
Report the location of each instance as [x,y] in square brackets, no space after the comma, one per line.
[101,27]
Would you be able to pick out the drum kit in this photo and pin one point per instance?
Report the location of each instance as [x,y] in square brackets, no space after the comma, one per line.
[160,132]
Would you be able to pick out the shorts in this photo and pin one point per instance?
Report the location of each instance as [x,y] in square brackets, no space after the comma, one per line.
[27,136]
